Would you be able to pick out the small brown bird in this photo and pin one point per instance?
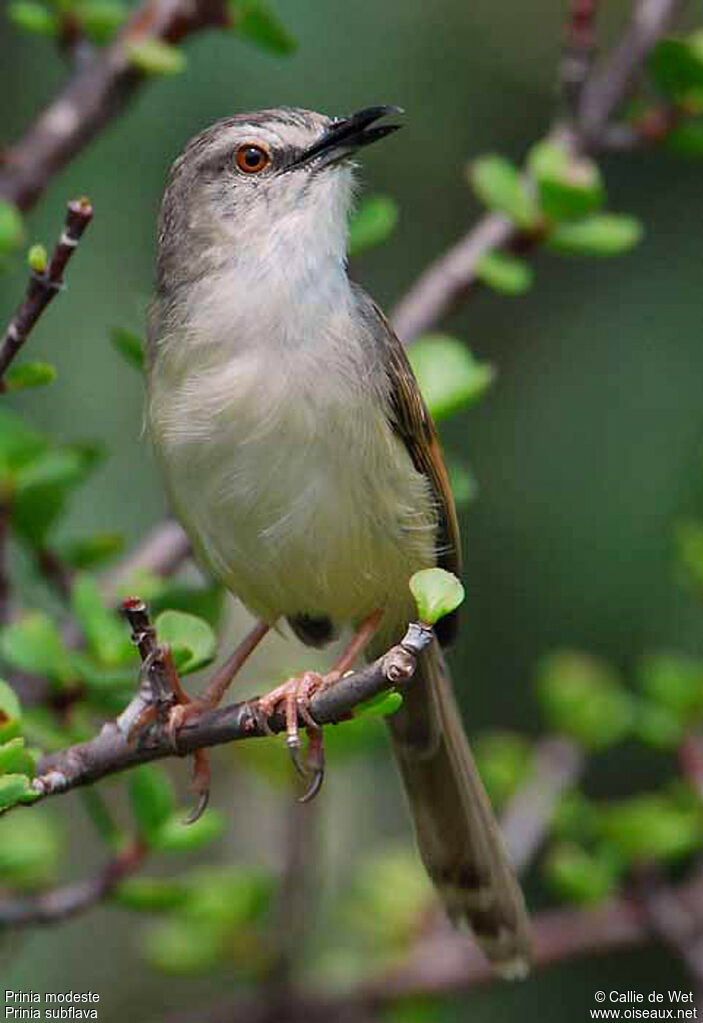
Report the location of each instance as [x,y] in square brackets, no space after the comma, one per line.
[301,459]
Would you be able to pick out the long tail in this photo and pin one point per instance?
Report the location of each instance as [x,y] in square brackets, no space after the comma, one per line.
[457,833]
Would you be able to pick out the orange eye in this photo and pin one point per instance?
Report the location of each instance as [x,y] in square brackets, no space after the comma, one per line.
[251,158]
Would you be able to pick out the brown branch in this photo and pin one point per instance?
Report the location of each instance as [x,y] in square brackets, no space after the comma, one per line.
[558,763]
[58,904]
[110,751]
[447,964]
[453,275]
[161,553]
[43,287]
[676,920]
[97,92]
[612,83]
[580,48]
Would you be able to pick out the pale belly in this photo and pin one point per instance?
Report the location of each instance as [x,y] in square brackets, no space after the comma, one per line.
[298,497]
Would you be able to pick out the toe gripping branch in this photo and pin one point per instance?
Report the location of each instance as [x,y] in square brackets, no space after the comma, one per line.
[160,693]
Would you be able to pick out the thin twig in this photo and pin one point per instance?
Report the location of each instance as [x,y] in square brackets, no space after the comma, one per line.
[446,964]
[110,751]
[580,47]
[453,275]
[58,904]
[612,83]
[676,921]
[162,552]
[43,287]
[557,764]
[97,92]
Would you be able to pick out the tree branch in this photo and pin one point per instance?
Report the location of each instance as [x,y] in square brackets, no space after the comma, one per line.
[450,277]
[110,751]
[96,93]
[610,84]
[558,763]
[161,553]
[447,964]
[58,904]
[43,287]
[580,48]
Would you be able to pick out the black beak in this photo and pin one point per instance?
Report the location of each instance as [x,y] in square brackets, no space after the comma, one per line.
[346,135]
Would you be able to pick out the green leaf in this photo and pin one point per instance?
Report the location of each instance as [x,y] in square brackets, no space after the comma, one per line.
[677,65]
[674,681]
[253,20]
[500,186]
[129,345]
[389,893]
[192,641]
[603,234]
[450,377]
[229,898]
[381,705]
[15,758]
[33,17]
[151,894]
[577,818]
[43,486]
[99,19]
[174,835]
[658,726]
[504,761]
[104,631]
[202,601]
[155,57]
[152,799]
[30,849]
[568,186]
[34,644]
[686,138]
[579,876]
[180,947]
[582,697]
[504,273]
[20,444]
[37,258]
[437,593]
[373,223]
[654,827]
[16,788]
[29,374]
[11,227]
[92,551]
[10,712]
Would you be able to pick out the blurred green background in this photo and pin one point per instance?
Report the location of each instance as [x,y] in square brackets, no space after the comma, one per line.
[585,452]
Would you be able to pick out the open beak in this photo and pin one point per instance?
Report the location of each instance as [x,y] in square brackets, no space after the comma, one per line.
[345,136]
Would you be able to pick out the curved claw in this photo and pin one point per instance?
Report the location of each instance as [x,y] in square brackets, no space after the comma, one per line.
[199,808]
[315,785]
[293,744]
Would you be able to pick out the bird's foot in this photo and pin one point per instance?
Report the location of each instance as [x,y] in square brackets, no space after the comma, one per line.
[185,710]
[295,696]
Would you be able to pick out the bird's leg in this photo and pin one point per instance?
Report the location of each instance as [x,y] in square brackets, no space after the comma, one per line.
[296,693]
[187,708]
[218,685]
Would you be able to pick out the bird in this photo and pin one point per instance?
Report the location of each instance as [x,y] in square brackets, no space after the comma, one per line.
[299,456]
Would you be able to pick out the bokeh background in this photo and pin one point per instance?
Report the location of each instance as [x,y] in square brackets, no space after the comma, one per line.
[586,451]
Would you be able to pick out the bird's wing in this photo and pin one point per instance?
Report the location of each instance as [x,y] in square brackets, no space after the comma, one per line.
[412,423]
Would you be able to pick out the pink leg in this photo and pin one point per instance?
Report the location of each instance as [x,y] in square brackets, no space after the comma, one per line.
[296,694]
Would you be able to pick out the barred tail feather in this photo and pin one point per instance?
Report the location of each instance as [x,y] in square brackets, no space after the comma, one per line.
[456,831]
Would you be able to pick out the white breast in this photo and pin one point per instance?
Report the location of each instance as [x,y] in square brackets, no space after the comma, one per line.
[281,463]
